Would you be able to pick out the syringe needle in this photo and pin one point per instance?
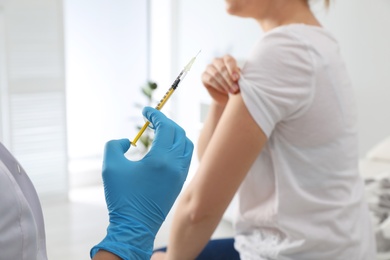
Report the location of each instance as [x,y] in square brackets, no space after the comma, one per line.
[167,95]
[189,65]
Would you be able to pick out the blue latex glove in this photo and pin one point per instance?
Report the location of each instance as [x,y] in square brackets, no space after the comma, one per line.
[139,194]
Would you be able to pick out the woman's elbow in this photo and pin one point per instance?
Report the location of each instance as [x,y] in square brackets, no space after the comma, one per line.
[195,211]
[197,216]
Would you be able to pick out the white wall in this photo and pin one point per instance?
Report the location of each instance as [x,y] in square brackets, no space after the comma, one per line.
[361,27]
[215,33]
[106,64]
[3,75]
[203,24]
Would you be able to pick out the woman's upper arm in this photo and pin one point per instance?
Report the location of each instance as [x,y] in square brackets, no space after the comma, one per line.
[235,144]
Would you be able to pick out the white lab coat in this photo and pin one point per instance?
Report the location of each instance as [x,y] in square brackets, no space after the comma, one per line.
[22,233]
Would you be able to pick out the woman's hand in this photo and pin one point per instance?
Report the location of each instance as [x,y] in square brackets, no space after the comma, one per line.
[220,78]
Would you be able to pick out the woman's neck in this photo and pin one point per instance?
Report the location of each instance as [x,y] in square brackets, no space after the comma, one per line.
[287,12]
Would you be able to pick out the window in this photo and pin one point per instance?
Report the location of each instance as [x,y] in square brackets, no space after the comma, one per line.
[32,91]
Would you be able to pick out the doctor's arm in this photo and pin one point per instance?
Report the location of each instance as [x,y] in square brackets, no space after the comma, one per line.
[139,194]
[105,255]
[234,146]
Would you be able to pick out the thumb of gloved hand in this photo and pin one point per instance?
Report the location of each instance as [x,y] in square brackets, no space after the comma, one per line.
[113,153]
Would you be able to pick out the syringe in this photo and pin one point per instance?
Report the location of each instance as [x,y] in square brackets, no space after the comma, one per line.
[167,95]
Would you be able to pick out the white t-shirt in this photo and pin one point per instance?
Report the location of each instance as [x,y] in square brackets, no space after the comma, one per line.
[22,232]
[303,197]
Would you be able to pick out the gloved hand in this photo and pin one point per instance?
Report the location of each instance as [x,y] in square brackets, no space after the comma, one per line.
[139,194]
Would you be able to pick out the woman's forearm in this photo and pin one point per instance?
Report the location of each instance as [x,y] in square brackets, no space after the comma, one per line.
[190,232]
[209,126]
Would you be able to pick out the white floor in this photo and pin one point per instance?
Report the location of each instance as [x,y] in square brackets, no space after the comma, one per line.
[74,226]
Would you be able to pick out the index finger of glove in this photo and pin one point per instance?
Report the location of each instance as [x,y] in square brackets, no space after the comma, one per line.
[164,127]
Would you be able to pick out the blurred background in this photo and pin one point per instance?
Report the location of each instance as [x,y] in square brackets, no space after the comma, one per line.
[71,73]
